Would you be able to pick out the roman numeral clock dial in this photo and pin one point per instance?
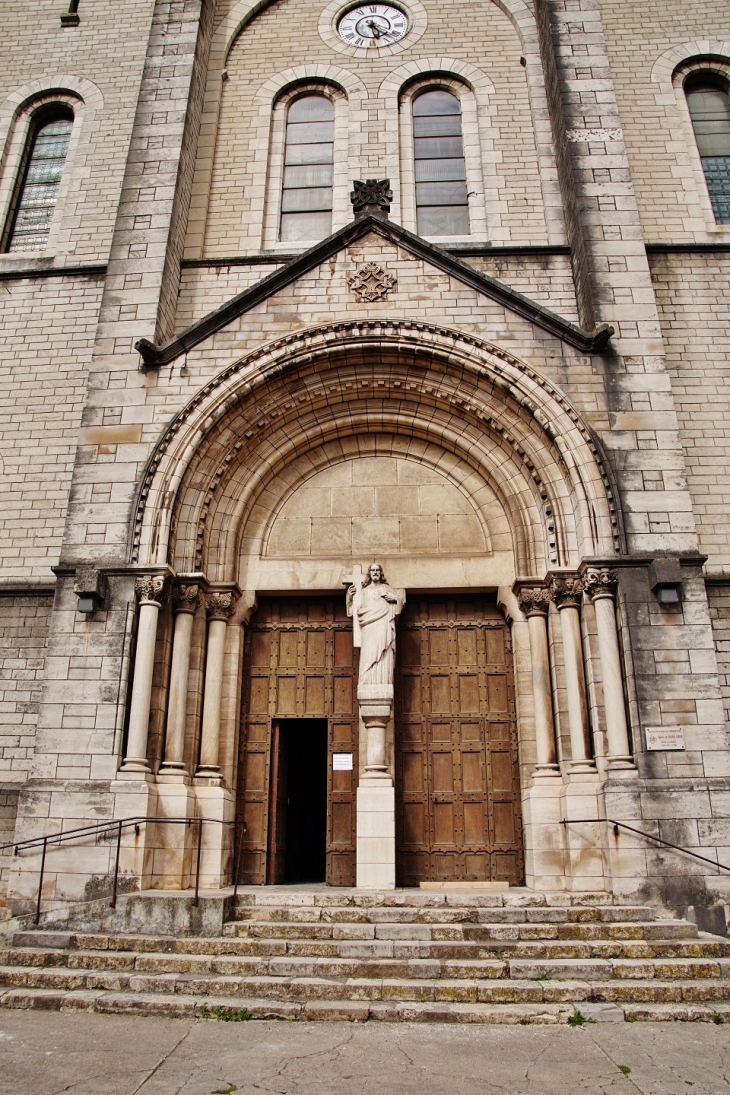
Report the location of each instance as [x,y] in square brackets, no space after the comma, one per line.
[372,25]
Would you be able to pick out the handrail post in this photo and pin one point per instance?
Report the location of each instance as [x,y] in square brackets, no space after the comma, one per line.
[113,902]
[40,883]
[197,867]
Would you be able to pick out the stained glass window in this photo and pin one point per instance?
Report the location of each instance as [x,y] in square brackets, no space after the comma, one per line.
[442,204]
[709,107]
[306,201]
[39,191]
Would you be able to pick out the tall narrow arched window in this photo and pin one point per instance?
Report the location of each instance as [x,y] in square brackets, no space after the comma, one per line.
[709,107]
[442,203]
[306,200]
[37,194]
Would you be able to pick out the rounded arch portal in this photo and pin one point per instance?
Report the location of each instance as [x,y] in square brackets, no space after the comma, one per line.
[475,414]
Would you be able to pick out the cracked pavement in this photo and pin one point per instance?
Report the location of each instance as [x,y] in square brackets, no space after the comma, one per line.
[52,1053]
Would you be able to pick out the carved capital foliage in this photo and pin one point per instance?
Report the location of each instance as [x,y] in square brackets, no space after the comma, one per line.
[220,605]
[186,598]
[600,582]
[150,587]
[566,592]
[535,601]
[372,192]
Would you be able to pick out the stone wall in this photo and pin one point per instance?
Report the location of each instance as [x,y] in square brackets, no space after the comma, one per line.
[47,331]
[8,813]
[24,621]
[693,295]
[647,40]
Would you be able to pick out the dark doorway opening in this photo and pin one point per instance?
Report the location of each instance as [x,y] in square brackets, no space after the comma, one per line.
[298,815]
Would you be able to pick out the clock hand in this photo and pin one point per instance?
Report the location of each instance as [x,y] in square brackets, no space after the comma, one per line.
[377,31]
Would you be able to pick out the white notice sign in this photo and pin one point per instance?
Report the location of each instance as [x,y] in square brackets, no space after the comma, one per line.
[342,762]
[664,737]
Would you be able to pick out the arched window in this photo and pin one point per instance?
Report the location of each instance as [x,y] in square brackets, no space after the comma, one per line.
[442,204]
[306,200]
[709,107]
[40,182]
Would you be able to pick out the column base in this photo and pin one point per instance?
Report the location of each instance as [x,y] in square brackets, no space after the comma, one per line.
[546,771]
[215,802]
[173,773]
[144,775]
[376,833]
[585,868]
[208,776]
[135,768]
[174,843]
[582,768]
[622,767]
[542,813]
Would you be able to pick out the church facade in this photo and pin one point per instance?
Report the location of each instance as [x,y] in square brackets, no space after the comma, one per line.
[365,437]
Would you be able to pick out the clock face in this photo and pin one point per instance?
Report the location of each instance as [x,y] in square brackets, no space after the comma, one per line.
[372,25]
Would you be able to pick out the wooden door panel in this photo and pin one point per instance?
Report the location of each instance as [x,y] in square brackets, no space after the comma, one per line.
[314,701]
[472,773]
[468,694]
[440,695]
[457,781]
[475,830]
[298,663]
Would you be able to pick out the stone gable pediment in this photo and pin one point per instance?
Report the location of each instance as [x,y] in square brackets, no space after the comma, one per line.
[370,280]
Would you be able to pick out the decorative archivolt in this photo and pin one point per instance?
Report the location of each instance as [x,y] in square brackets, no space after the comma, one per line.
[324,388]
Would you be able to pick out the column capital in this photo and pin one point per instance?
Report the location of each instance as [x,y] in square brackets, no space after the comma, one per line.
[566,590]
[534,601]
[186,597]
[220,603]
[150,588]
[600,582]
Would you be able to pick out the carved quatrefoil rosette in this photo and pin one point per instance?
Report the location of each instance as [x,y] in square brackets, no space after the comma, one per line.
[371,282]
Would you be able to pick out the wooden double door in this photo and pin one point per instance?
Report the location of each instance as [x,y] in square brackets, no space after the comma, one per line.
[457,782]
[299,710]
[457,776]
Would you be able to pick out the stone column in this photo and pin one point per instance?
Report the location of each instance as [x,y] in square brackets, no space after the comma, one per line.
[567,593]
[219,607]
[149,590]
[535,603]
[600,586]
[185,599]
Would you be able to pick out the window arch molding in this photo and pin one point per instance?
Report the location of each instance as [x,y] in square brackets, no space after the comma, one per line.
[473,142]
[671,72]
[20,114]
[348,94]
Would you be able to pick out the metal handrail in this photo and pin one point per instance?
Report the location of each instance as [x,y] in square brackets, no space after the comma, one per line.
[118,826]
[649,836]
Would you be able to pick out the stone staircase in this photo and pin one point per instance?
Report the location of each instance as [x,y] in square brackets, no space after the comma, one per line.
[317,953]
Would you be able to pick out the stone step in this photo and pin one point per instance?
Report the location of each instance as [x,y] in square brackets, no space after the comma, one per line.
[704,946]
[442,990]
[342,968]
[439,915]
[392,1011]
[342,897]
[469,932]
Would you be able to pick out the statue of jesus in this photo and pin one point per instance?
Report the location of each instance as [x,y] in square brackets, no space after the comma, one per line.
[374,607]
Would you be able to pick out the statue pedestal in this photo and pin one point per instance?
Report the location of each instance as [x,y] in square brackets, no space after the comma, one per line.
[375,794]
[376,833]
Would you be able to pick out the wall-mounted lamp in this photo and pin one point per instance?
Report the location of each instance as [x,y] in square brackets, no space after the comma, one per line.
[90,590]
[665,580]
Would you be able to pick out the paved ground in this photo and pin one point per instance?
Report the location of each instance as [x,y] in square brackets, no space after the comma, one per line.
[47,1053]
